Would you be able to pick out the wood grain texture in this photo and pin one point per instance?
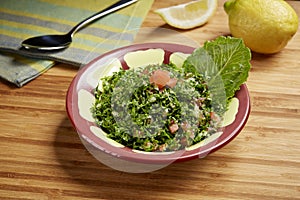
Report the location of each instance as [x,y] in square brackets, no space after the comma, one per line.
[41,156]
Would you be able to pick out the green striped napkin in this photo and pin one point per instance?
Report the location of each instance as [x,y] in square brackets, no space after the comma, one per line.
[20,19]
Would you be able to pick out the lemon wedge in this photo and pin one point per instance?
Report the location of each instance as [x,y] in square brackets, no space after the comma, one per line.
[188,15]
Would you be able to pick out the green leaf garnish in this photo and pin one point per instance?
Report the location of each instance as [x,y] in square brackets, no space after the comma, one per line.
[226,58]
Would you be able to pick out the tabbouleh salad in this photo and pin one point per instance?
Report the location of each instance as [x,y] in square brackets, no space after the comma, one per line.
[164,107]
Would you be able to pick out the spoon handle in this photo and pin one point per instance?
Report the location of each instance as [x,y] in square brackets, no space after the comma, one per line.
[120,4]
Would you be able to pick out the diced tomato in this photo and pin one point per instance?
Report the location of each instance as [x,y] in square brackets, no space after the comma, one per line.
[173,128]
[172,82]
[185,126]
[214,116]
[160,78]
[162,147]
[183,141]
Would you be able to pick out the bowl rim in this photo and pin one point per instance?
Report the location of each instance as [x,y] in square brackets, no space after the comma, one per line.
[229,132]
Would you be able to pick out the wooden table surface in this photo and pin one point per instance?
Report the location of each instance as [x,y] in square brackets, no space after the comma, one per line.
[42,157]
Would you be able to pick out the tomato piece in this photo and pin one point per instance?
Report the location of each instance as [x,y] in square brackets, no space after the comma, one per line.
[173,128]
[160,78]
[172,82]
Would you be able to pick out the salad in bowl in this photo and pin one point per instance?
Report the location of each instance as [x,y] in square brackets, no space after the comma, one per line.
[161,102]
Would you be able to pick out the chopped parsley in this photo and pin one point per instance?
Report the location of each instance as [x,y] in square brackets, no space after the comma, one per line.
[145,116]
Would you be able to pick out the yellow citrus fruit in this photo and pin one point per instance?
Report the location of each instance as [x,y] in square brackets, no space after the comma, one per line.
[266,26]
[188,15]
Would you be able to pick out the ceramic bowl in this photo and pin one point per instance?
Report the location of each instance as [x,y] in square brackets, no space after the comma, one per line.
[80,99]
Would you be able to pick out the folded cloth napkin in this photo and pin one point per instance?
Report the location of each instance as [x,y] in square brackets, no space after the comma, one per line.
[21,19]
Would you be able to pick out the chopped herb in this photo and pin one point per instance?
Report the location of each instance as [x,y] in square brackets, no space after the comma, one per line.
[150,116]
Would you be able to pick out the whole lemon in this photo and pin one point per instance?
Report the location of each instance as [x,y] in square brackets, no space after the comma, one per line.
[266,26]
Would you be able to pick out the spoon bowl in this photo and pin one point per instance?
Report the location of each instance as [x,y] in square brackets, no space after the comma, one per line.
[59,42]
[48,42]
